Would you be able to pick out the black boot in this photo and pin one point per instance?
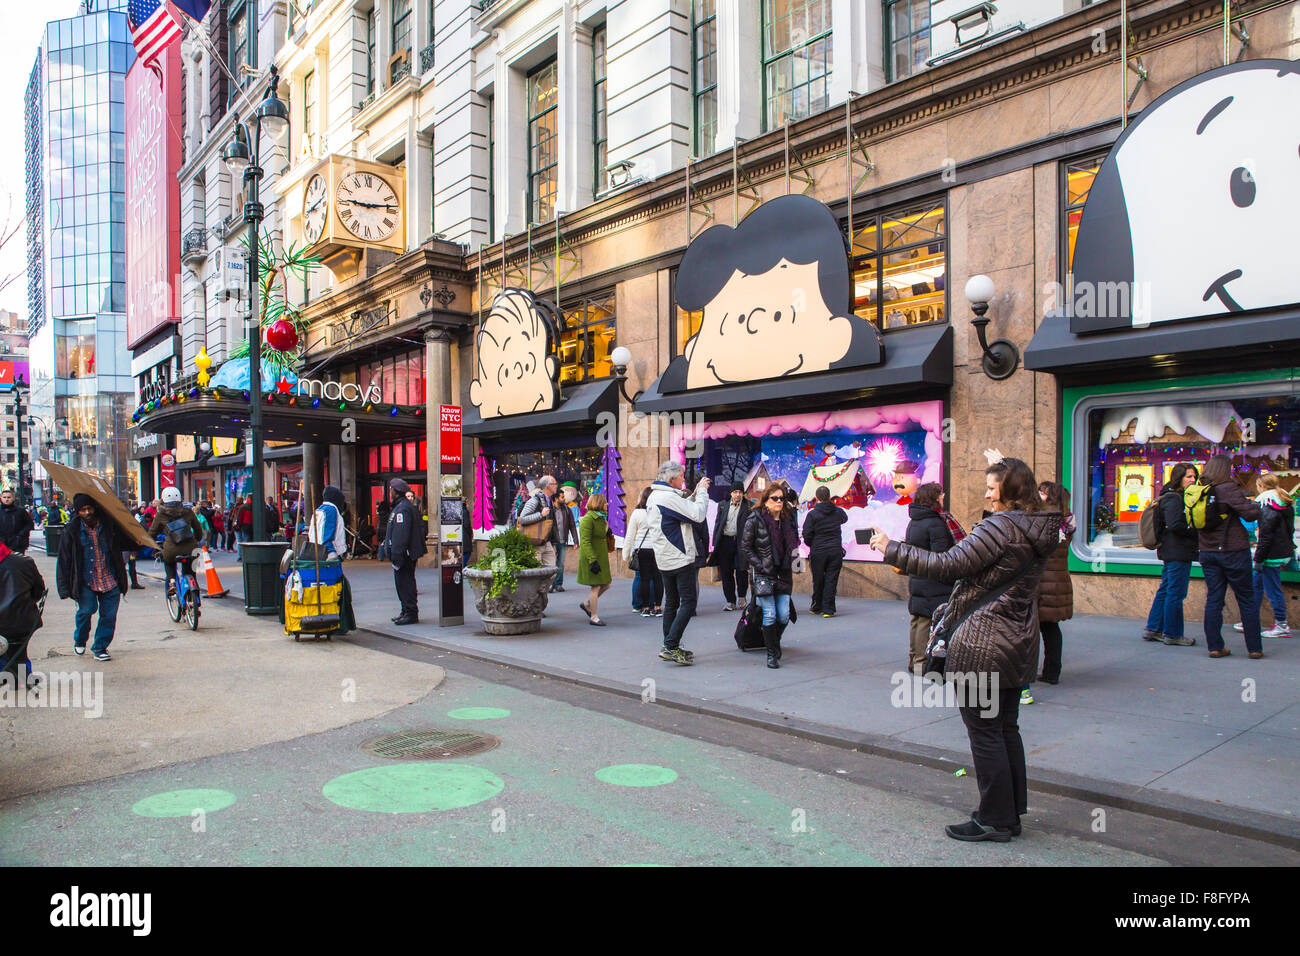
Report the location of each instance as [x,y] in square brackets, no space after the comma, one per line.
[780,631]
[772,640]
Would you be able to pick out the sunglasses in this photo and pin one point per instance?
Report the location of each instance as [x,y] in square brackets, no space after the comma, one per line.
[775,498]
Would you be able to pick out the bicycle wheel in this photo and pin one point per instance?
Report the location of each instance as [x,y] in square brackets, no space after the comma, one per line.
[192,610]
[174,604]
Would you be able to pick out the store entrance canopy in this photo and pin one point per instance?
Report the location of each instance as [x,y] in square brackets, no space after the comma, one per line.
[300,422]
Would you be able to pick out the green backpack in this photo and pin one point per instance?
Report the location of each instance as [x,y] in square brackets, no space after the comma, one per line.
[1201,507]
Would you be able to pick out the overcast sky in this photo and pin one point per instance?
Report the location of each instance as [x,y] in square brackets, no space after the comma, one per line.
[21,25]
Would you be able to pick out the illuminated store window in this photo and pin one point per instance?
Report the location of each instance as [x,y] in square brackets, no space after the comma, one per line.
[587,339]
[1078,183]
[543,142]
[907,37]
[512,471]
[704,75]
[900,266]
[796,59]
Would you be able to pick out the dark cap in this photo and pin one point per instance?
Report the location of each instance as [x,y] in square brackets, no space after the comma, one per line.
[398,486]
[80,500]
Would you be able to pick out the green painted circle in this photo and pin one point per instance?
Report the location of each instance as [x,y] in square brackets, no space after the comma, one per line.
[478,713]
[636,775]
[413,787]
[183,803]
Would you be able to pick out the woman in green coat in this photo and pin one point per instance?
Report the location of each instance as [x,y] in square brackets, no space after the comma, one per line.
[593,554]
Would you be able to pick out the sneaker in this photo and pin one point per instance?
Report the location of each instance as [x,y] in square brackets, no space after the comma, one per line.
[676,655]
[1239,627]
[1278,630]
[1026,697]
[102,656]
[1180,641]
[79,649]
[729,607]
[645,612]
[829,614]
[659,612]
[1152,636]
[973,831]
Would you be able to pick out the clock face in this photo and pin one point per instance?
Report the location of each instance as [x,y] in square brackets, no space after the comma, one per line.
[314,209]
[367,206]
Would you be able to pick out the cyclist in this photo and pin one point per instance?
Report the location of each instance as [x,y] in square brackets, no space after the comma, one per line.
[181,534]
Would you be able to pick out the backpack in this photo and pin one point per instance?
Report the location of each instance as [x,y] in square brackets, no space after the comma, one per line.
[179,531]
[1151,526]
[1201,507]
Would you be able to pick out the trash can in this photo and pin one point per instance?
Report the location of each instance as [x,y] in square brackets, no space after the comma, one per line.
[53,535]
[263,589]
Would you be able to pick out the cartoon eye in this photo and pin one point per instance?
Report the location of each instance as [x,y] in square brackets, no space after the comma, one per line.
[519,370]
[1242,186]
[776,317]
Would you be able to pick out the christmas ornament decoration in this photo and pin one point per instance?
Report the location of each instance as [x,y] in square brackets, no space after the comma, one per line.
[282,336]
[202,361]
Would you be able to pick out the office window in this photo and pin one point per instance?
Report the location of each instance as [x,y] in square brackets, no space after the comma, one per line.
[241,38]
[309,110]
[907,37]
[704,75]
[598,131]
[900,266]
[587,339]
[491,171]
[370,51]
[543,143]
[401,19]
[1074,193]
[796,59]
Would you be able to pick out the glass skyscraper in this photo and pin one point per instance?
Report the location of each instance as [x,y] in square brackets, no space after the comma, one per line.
[82,390]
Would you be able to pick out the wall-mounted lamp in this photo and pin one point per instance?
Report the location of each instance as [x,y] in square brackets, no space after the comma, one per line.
[621,357]
[1001,358]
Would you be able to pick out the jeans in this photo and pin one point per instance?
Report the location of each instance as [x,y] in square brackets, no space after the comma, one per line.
[999,757]
[826,579]
[1224,568]
[680,595]
[1166,615]
[1268,583]
[560,549]
[647,586]
[87,603]
[776,608]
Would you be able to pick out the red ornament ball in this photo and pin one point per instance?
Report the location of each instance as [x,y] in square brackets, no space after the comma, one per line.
[282,336]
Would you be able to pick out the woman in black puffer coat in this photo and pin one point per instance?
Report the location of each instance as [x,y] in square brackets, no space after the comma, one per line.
[770,549]
[928,530]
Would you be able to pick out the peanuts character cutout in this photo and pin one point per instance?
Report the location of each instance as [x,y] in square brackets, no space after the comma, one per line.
[775,296]
[906,480]
[1224,144]
[516,368]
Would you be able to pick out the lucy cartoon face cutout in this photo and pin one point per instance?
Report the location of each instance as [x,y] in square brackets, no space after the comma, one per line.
[1194,211]
[516,369]
[775,296]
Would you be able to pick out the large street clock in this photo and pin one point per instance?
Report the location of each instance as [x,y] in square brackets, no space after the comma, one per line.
[315,209]
[350,205]
[367,206]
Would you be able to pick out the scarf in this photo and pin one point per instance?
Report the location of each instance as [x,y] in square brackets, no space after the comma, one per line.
[954,526]
[784,539]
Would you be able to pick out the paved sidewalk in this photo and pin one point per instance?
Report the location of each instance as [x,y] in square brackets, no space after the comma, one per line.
[1137,724]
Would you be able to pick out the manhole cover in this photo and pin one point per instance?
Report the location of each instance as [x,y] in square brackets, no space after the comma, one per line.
[430,744]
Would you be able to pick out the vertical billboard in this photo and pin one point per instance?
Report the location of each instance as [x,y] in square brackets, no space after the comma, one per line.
[153,207]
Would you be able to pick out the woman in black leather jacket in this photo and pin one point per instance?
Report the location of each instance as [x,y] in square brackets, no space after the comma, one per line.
[770,549]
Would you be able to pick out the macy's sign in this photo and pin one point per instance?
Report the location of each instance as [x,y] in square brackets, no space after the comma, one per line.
[335,391]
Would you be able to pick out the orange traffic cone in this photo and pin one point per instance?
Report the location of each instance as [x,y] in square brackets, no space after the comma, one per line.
[215,590]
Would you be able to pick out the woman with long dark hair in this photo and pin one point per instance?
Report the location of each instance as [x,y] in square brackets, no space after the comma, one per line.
[770,549]
[647,585]
[1055,591]
[990,625]
[1177,550]
[1225,556]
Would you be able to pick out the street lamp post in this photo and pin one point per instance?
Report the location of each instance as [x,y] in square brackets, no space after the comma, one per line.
[243,155]
[19,385]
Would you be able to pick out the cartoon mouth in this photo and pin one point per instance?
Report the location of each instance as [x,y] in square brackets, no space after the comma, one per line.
[1219,288]
[728,381]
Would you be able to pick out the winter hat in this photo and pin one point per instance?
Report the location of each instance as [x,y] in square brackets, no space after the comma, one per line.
[399,486]
[334,496]
[80,500]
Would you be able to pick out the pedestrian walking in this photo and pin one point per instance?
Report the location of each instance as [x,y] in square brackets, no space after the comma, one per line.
[539,508]
[15,523]
[1177,549]
[1225,556]
[21,591]
[733,513]
[244,520]
[670,517]
[1055,590]
[647,584]
[927,530]
[90,570]
[1274,550]
[595,543]
[404,545]
[769,546]
[565,532]
[821,532]
[991,630]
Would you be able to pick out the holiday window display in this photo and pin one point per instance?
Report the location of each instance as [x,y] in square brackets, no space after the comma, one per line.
[504,480]
[871,460]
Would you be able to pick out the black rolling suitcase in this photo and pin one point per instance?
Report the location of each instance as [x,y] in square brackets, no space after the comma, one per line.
[749,629]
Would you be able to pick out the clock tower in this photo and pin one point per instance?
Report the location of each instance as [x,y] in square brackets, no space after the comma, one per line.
[350,205]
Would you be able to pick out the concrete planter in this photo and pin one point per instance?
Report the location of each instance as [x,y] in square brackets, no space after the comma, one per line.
[512,612]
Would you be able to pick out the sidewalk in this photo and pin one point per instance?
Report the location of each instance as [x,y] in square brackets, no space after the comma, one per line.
[1163,729]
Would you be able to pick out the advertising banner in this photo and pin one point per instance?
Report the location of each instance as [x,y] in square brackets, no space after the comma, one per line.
[153,213]
[168,479]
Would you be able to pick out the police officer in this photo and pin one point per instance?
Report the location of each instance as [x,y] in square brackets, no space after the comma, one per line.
[404,543]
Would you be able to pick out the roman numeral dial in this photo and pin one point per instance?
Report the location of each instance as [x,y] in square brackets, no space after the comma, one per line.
[315,208]
[367,206]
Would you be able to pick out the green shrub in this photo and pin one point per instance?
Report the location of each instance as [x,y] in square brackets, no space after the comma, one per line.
[507,552]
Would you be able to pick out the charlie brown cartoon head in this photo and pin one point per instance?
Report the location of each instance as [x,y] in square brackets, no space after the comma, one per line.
[516,368]
[906,479]
[775,296]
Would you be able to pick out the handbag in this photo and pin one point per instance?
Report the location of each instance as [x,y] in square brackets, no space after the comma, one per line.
[634,562]
[609,542]
[942,631]
[539,532]
[749,629]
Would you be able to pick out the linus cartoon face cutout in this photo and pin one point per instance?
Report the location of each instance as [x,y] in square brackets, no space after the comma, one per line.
[1193,212]
[516,369]
[775,295]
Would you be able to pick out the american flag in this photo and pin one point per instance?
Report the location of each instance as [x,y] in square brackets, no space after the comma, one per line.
[152,28]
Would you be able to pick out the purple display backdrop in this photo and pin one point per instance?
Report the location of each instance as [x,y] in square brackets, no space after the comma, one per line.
[614,490]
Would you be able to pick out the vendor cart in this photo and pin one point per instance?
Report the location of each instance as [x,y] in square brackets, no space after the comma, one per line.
[313,598]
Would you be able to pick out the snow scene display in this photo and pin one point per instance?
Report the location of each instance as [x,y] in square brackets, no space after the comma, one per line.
[1133,449]
[871,460]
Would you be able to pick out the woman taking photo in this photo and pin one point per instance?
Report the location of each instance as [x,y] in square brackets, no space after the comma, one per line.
[991,623]
[770,549]
[1055,592]
[593,555]
[647,586]
[1225,557]
[1177,550]
[1274,551]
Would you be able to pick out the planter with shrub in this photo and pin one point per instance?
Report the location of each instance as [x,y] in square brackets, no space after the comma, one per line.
[510,584]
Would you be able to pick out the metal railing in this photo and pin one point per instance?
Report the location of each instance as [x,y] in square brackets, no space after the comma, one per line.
[426,59]
[194,244]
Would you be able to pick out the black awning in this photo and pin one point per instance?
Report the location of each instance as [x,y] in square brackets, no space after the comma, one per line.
[579,408]
[916,359]
[297,423]
[1268,335]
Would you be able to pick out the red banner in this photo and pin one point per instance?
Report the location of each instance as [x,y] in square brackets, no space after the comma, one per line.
[449,423]
[168,477]
[153,196]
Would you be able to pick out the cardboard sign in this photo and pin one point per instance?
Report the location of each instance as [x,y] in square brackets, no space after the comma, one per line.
[73,482]
[449,424]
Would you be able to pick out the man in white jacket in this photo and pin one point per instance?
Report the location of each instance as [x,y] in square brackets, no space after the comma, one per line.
[670,517]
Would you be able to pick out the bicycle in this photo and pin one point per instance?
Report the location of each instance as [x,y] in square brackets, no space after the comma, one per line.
[185,597]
